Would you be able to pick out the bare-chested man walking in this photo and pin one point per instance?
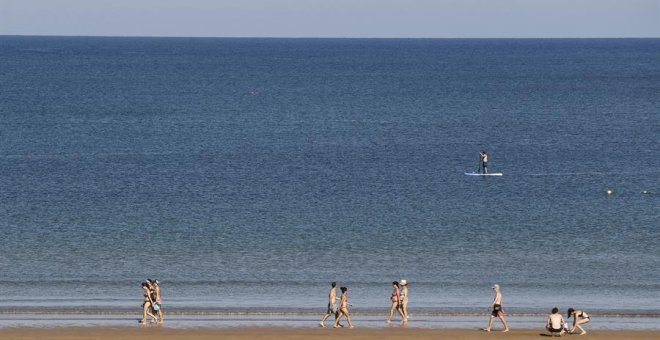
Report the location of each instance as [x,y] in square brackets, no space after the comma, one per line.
[332,304]
[497,310]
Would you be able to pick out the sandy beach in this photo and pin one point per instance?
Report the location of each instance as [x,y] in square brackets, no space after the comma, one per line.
[101,333]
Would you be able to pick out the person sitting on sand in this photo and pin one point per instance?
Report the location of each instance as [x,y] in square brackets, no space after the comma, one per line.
[332,304]
[395,298]
[579,318]
[343,308]
[497,310]
[147,303]
[555,323]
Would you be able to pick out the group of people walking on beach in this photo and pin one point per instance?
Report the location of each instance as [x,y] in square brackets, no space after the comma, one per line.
[152,303]
[399,300]
[555,324]
[338,308]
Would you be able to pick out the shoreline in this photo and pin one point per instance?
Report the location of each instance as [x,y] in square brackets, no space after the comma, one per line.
[306,311]
[249,333]
[298,321]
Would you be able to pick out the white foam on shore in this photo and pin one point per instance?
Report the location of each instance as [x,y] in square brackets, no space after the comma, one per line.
[306,321]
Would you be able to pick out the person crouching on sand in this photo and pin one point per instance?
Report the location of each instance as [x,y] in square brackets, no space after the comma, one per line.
[579,318]
[555,323]
[395,298]
[343,308]
[497,310]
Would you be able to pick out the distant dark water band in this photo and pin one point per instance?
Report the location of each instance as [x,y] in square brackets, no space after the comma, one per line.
[228,312]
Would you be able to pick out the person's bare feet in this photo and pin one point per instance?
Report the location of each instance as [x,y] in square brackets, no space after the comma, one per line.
[486,329]
[505,330]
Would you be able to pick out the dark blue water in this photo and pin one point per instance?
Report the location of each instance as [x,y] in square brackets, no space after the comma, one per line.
[249,173]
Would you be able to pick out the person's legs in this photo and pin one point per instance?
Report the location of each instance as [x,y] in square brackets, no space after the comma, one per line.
[146,308]
[337,318]
[144,312]
[328,312]
[490,323]
[581,322]
[404,310]
[348,317]
[394,307]
[506,326]
[325,317]
[400,311]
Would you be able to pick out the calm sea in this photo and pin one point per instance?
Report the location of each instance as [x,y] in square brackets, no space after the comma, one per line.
[246,174]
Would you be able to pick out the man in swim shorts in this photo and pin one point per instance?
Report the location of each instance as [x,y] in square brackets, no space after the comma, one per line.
[497,311]
[556,323]
[332,303]
[484,161]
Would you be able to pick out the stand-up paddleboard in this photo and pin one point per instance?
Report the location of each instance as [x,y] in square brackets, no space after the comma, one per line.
[480,174]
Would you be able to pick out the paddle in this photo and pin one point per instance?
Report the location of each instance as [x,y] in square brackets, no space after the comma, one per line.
[479,167]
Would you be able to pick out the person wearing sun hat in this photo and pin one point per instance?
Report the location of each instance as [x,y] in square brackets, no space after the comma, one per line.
[497,310]
[403,305]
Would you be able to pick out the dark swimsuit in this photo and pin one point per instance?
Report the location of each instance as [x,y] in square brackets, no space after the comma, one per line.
[496,310]
[553,330]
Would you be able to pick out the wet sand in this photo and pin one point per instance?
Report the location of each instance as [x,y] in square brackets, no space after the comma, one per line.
[135,333]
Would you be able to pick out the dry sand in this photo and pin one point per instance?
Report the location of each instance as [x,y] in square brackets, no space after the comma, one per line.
[135,333]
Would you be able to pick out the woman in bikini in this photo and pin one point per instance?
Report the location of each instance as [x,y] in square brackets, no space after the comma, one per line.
[395,298]
[343,308]
[147,303]
[579,318]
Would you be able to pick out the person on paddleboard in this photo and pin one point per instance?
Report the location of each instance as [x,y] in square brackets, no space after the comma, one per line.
[484,161]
